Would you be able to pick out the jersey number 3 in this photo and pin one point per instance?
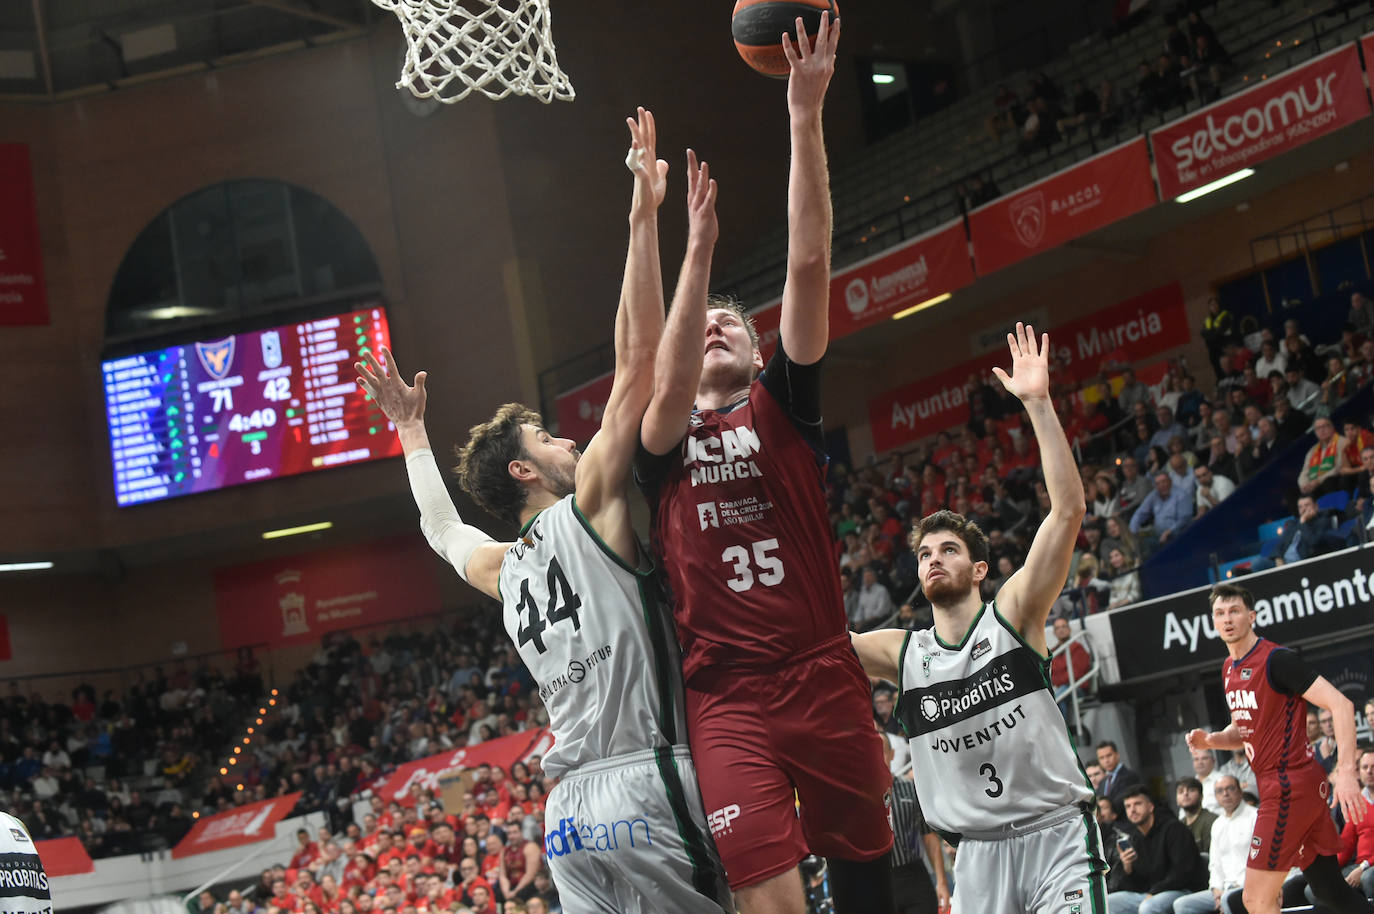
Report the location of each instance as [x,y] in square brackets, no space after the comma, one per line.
[769,566]
[563,604]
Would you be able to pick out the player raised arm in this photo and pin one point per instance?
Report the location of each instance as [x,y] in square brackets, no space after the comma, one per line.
[473,554]
[604,469]
[805,323]
[1025,599]
[677,369]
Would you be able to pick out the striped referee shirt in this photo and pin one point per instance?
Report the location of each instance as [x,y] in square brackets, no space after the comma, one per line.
[908,824]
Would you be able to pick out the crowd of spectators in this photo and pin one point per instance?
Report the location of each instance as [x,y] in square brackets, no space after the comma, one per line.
[1153,459]
[1188,71]
[149,746]
[1192,858]
[130,773]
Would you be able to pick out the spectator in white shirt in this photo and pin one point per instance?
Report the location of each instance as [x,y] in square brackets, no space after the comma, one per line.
[1270,360]
[1230,851]
[1205,770]
[1211,489]
[56,758]
[45,785]
[875,603]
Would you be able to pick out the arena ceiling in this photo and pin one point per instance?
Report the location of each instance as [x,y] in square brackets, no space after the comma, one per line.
[54,50]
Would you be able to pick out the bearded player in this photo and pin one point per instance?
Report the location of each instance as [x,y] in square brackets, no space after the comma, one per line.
[1268,689]
[779,710]
[579,599]
[996,769]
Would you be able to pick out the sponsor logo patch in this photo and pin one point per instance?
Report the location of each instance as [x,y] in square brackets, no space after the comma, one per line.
[721,820]
[1075,895]
[1245,673]
[1256,841]
[981,648]
[572,836]
[18,835]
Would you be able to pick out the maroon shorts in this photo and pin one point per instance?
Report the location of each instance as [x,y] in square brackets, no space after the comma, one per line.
[1294,825]
[789,762]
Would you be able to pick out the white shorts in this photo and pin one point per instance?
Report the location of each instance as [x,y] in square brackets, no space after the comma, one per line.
[628,834]
[1050,865]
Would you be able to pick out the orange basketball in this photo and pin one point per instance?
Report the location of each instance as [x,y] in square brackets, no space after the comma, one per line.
[758,26]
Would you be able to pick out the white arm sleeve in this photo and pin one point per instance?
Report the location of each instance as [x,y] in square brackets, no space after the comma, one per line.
[439,520]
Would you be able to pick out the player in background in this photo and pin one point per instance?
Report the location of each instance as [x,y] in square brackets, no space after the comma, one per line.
[24,886]
[995,766]
[779,708]
[579,597]
[1268,689]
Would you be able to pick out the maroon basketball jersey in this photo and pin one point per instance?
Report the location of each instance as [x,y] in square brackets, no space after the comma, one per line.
[743,534]
[1273,724]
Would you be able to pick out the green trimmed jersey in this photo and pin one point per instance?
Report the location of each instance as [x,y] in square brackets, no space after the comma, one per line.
[988,744]
[595,634]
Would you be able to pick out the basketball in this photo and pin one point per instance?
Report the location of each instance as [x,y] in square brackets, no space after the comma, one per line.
[758,25]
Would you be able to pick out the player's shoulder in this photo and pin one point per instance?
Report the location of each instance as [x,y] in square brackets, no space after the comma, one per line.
[14,837]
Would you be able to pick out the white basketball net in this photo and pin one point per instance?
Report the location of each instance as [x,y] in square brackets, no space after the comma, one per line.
[496,47]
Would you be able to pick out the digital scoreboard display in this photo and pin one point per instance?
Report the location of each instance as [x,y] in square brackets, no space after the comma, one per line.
[244,408]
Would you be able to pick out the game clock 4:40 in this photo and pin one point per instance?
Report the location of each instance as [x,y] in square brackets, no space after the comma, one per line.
[257,419]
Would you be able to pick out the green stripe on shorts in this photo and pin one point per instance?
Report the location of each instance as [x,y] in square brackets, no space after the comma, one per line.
[703,873]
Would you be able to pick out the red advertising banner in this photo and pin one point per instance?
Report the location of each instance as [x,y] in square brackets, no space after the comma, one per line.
[294,600]
[1068,204]
[64,857]
[578,411]
[23,295]
[1277,115]
[873,290]
[502,752]
[1130,331]
[247,824]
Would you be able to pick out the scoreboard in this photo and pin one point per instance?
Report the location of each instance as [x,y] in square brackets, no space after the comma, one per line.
[244,408]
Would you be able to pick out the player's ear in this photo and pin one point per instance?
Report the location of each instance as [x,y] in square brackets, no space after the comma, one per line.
[522,470]
[758,359]
[980,571]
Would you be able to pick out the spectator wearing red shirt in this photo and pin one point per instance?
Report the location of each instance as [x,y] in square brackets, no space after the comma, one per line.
[306,851]
[1059,664]
[1356,856]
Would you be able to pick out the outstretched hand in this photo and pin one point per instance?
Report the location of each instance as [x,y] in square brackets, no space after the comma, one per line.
[651,173]
[1030,365]
[812,65]
[402,403]
[701,201]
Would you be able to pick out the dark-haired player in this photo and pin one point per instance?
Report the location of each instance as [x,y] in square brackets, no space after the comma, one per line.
[625,829]
[779,709]
[1268,689]
[995,766]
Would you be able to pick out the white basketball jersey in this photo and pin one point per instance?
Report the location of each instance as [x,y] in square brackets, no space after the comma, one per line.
[988,744]
[23,884]
[596,636]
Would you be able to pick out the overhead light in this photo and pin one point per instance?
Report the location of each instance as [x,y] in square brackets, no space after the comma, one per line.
[172,312]
[883,79]
[293,531]
[26,566]
[1218,184]
[928,303]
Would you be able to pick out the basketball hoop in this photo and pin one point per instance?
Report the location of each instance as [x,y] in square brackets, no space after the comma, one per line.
[496,47]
